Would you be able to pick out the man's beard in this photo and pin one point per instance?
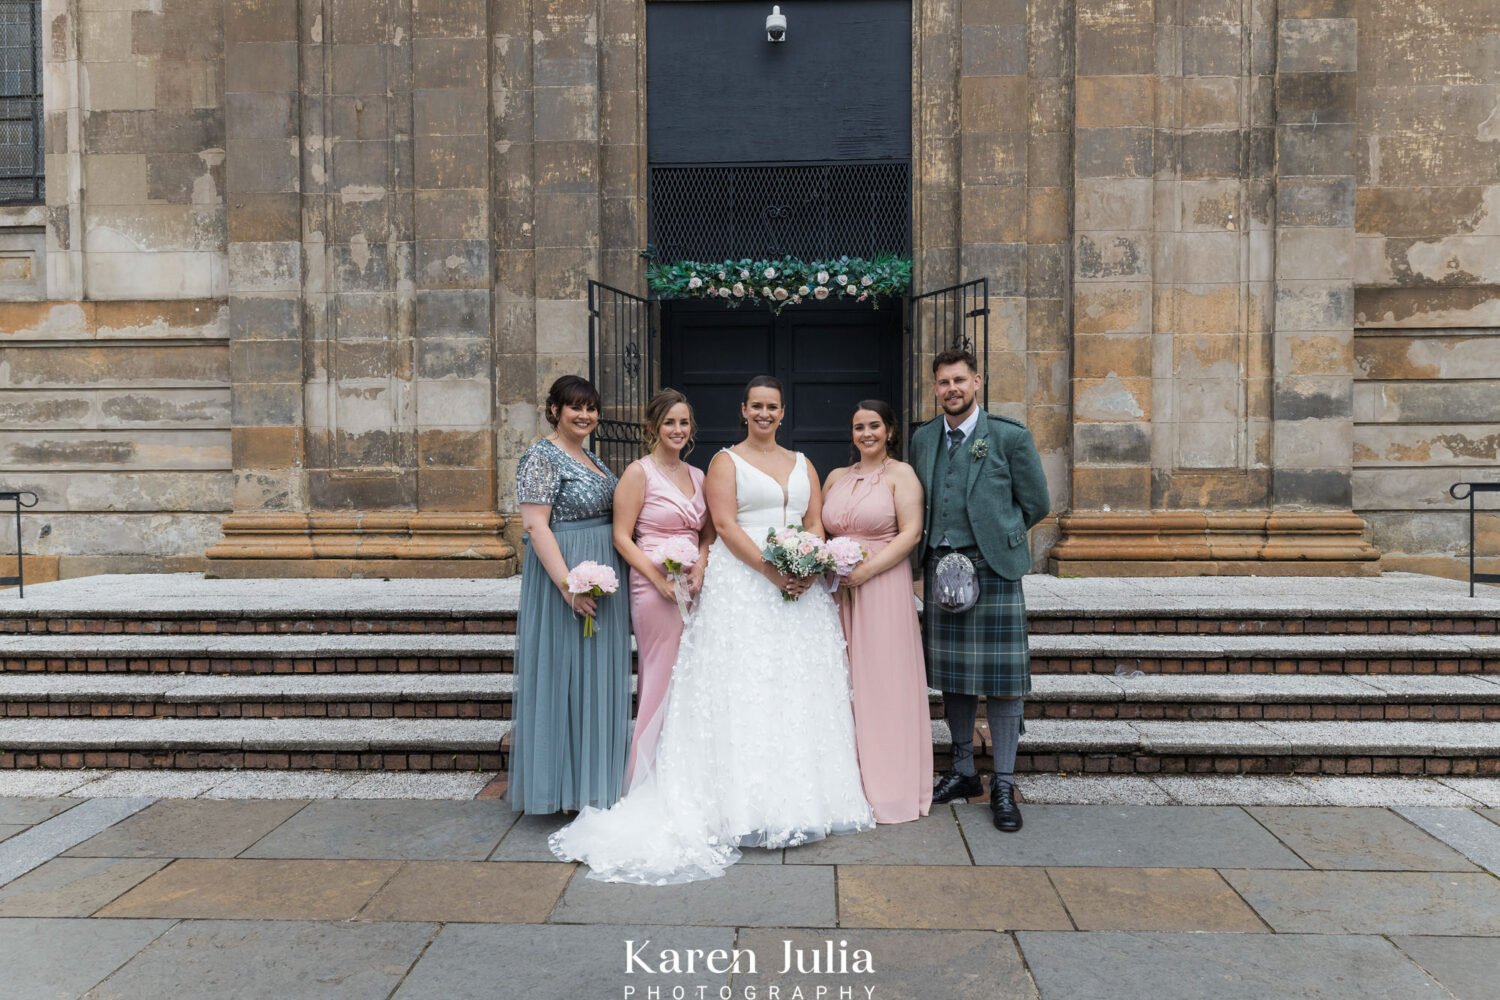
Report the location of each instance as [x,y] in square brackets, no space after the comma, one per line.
[959,405]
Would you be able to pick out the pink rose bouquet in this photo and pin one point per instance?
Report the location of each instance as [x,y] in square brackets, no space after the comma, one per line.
[676,555]
[594,579]
[846,554]
[797,553]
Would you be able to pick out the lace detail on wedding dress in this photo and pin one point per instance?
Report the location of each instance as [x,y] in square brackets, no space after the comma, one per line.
[757,749]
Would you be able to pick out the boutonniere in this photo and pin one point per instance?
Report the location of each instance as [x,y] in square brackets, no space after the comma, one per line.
[980,449]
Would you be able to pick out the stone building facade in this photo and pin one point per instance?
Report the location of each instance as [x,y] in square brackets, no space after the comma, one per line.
[305,268]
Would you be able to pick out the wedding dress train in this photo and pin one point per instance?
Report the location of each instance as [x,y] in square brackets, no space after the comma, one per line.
[757,749]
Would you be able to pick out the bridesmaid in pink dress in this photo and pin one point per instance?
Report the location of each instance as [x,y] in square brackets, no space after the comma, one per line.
[659,497]
[878,500]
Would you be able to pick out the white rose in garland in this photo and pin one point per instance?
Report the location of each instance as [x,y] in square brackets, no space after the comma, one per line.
[820,293]
[866,281]
[804,290]
[744,274]
[695,282]
[770,272]
[723,293]
[739,290]
[765,293]
[781,294]
[842,279]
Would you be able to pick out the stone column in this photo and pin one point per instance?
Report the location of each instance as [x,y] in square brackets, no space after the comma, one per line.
[376,274]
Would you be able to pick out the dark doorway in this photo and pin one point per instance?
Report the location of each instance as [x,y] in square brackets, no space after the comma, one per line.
[828,355]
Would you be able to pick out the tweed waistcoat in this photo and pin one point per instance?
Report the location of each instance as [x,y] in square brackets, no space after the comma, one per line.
[950,506]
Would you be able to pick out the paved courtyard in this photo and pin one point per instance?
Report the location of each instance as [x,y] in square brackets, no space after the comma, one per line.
[109,891]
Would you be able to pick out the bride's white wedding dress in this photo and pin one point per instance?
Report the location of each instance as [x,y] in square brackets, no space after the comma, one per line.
[757,749]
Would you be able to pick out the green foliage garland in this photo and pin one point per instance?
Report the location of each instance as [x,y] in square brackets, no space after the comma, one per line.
[781,281]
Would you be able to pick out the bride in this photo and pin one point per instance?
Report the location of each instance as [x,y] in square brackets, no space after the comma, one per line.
[758,745]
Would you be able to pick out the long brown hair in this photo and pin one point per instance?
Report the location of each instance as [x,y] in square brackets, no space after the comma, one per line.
[656,411]
[887,416]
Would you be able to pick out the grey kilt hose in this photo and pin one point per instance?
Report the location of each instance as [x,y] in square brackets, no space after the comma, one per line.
[983,650]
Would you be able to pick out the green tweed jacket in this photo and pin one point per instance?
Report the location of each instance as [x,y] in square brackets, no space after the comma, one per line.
[1007,490]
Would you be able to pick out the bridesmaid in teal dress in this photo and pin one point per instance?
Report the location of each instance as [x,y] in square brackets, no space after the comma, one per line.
[572,700]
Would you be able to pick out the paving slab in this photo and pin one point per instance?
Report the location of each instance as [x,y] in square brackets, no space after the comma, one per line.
[526,840]
[240,889]
[471,892]
[1491,814]
[1321,902]
[1237,790]
[1085,790]
[1465,965]
[931,840]
[931,897]
[27,811]
[759,856]
[908,964]
[62,958]
[1485,791]
[744,896]
[45,841]
[1152,899]
[1116,966]
[283,785]
[74,887]
[1358,839]
[250,960]
[1126,837]
[188,828]
[163,784]
[1388,792]
[1468,833]
[44,783]
[9,830]
[526,962]
[419,785]
[341,828]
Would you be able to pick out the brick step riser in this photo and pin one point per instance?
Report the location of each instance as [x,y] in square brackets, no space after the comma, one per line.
[1026,763]
[505,663]
[501,708]
[504,623]
[469,709]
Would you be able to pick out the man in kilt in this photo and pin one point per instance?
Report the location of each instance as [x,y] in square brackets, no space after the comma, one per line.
[985,489]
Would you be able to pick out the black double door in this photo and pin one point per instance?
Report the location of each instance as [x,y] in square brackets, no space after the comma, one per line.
[829,356]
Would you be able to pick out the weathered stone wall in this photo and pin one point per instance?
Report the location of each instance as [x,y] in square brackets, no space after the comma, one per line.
[114,393]
[1427,270]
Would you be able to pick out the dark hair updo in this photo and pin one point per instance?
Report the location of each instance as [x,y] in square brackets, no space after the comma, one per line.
[656,411]
[570,390]
[887,416]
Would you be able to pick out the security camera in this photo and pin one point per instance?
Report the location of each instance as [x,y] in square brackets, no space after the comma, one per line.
[776,25]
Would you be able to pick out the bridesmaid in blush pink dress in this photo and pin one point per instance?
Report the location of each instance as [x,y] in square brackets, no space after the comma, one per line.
[878,500]
[659,497]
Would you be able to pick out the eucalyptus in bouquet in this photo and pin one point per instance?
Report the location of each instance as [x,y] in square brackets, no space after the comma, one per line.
[676,555]
[594,579]
[797,553]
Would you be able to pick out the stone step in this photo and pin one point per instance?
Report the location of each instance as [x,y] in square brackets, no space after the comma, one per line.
[185,603]
[493,653]
[1116,747]
[489,695]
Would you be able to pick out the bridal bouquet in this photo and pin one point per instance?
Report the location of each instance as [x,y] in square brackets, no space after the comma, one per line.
[593,579]
[797,553]
[846,554]
[676,555]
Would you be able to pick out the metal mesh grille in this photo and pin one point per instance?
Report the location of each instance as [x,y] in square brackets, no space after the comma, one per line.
[21,161]
[801,210]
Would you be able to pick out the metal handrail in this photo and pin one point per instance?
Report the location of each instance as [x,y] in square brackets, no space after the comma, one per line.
[18,497]
[1469,490]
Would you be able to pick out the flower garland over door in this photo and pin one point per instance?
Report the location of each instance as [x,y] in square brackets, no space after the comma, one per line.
[781,281]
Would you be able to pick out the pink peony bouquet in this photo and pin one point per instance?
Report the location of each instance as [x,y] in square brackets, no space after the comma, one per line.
[594,579]
[846,554]
[676,555]
[797,553]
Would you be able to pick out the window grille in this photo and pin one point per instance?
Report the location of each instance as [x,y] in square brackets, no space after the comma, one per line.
[807,210]
[22,165]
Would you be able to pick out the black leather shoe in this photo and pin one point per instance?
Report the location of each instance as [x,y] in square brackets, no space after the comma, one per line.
[953,786]
[1003,805]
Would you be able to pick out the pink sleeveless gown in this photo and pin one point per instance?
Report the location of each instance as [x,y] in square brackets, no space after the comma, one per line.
[891,719]
[665,513]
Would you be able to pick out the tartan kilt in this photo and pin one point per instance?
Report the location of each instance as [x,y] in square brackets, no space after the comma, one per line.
[983,650]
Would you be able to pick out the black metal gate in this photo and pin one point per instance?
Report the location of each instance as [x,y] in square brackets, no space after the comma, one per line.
[954,317]
[623,365]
